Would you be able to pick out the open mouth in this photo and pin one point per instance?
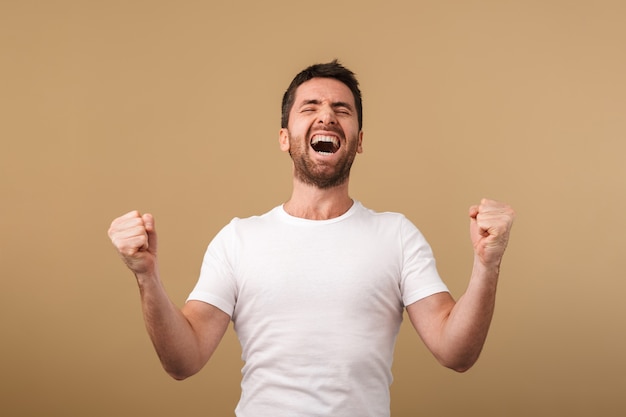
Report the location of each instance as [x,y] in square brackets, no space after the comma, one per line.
[325,145]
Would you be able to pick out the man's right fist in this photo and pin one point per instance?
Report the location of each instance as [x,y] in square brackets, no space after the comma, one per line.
[134,237]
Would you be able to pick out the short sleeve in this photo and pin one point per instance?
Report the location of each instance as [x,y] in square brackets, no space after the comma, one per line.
[216,284]
[420,277]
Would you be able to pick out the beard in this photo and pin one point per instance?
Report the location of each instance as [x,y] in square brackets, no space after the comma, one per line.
[321,174]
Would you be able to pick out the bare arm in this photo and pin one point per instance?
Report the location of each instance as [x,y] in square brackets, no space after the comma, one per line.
[455,332]
[184,339]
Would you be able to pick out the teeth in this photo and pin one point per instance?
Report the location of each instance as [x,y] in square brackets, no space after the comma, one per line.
[319,138]
[326,145]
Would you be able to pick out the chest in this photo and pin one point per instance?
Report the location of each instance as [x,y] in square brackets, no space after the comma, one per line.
[308,271]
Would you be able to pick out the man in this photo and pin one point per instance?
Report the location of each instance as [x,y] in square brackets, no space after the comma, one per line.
[317,286]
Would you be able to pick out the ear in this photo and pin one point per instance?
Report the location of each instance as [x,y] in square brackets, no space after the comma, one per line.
[359,148]
[283,139]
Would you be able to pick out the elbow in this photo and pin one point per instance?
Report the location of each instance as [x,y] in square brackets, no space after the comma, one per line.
[459,364]
[179,374]
[461,368]
[180,368]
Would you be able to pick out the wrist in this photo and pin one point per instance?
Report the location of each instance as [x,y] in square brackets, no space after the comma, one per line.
[147,276]
[487,264]
[488,271]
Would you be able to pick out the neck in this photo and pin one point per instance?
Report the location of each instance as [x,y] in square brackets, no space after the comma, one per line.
[310,202]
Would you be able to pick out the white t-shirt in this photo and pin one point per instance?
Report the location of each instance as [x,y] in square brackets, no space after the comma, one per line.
[317,306]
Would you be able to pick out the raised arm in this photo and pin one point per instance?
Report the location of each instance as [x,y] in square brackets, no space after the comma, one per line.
[455,332]
[184,339]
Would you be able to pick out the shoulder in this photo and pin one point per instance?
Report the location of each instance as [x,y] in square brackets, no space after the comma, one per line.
[248,225]
[269,216]
[396,225]
[385,218]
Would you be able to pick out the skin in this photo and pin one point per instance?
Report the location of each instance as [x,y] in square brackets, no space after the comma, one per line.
[184,339]
[322,106]
[454,331]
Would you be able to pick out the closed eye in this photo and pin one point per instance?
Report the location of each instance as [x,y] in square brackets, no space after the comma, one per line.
[338,107]
[309,106]
[342,108]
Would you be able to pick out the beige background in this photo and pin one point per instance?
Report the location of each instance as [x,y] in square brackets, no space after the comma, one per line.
[173,108]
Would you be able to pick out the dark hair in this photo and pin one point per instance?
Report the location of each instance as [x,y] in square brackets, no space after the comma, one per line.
[329,70]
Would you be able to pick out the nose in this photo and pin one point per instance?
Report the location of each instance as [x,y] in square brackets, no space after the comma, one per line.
[326,116]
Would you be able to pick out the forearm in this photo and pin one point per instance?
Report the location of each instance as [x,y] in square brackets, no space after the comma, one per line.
[455,332]
[465,329]
[171,333]
[181,348]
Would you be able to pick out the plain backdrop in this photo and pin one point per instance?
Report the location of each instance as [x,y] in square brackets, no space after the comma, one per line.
[173,108]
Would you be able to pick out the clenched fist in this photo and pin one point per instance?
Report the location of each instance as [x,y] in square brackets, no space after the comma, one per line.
[490,224]
[135,239]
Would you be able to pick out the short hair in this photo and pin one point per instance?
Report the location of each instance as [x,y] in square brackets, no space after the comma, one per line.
[331,69]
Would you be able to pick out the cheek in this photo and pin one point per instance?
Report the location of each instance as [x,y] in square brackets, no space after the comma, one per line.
[301,126]
[300,129]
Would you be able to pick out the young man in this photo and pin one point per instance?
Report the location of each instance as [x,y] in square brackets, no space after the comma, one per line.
[316,287]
